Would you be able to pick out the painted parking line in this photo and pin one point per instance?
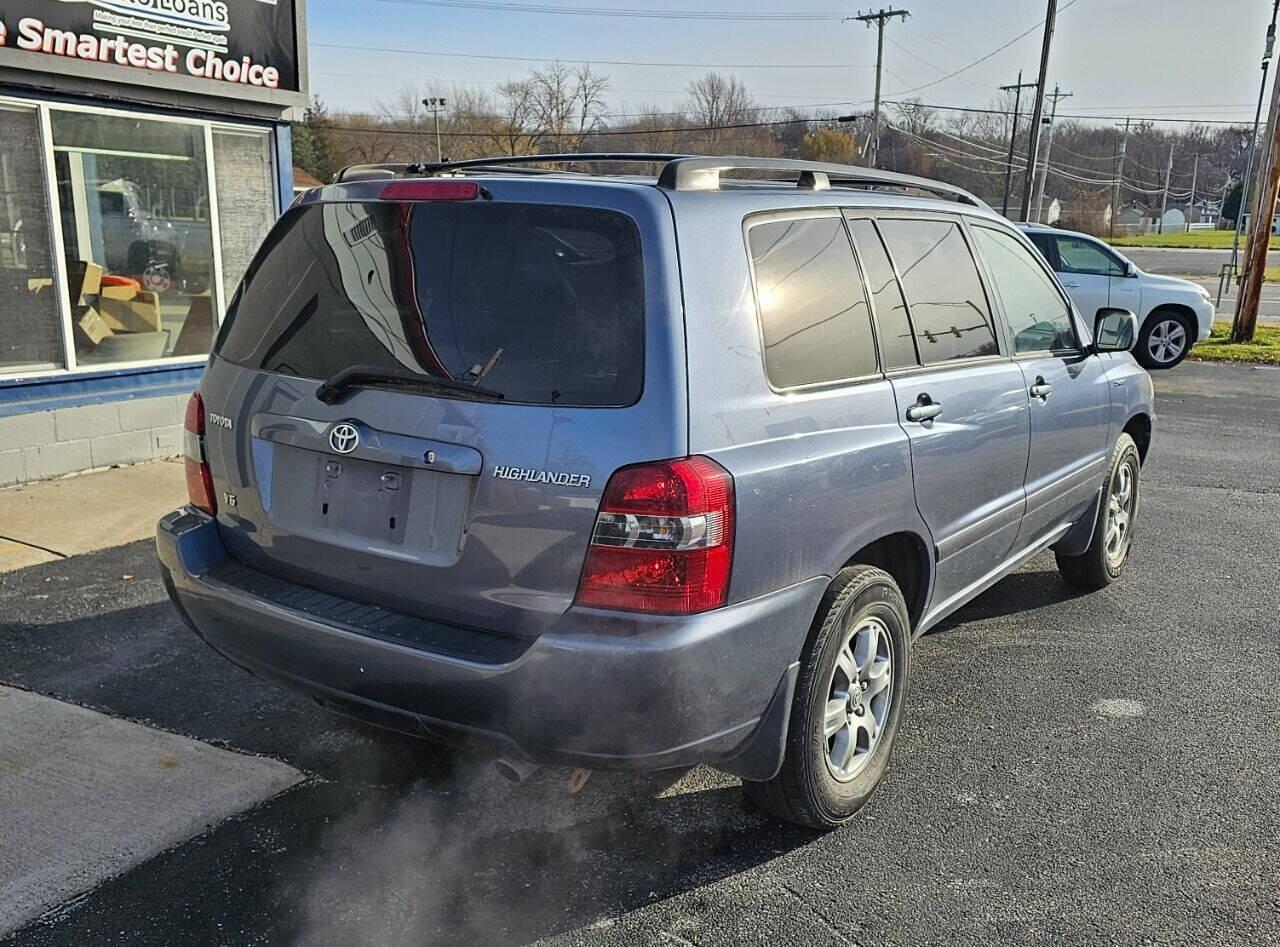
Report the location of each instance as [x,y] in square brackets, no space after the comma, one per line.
[85,797]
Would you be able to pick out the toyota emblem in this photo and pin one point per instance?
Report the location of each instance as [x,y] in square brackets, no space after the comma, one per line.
[344,438]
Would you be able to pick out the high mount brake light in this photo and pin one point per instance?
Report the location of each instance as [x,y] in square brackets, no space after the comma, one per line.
[431,190]
[663,539]
[199,477]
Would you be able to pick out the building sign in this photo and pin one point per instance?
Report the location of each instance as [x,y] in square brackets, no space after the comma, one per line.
[247,43]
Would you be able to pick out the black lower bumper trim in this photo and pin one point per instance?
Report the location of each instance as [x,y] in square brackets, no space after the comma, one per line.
[451,641]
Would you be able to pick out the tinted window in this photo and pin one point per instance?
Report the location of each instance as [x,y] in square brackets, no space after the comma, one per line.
[1044,243]
[948,307]
[440,288]
[1084,256]
[896,345]
[1038,318]
[813,313]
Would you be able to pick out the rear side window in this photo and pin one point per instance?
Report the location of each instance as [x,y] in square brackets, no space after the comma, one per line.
[813,312]
[896,344]
[949,310]
[1038,318]
[1086,257]
[439,288]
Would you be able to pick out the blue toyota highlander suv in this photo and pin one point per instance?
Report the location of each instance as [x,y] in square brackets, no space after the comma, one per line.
[635,472]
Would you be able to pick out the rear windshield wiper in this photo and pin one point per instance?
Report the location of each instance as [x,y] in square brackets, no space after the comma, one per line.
[368,376]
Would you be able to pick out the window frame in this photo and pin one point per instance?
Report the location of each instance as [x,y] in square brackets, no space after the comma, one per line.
[1004,345]
[1081,347]
[1097,245]
[850,216]
[822,212]
[43,109]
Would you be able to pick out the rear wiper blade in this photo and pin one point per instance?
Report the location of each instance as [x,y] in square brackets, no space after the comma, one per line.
[368,376]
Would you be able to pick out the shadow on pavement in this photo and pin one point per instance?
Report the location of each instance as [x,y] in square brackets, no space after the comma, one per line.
[392,839]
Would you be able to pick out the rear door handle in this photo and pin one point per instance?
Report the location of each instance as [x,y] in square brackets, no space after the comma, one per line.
[925,409]
[1071,285]
[1041,389]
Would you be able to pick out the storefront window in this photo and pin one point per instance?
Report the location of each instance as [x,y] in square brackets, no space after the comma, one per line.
[246,198]
[30,321]
[133,195]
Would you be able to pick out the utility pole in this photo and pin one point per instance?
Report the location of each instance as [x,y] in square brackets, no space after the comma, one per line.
[1264,209]
[1033,143]
[1191,202]
[1048,149]
[1115,199]
[878,17]
[1164,195]
[1253,141]
[1016,88]
[435,106]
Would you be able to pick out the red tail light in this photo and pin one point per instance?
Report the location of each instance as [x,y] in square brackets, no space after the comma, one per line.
[199,478]
[438,189]
[663,539]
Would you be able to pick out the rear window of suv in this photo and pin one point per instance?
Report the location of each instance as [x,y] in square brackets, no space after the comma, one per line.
[438,288]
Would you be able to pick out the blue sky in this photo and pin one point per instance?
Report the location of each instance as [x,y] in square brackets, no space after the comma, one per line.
[1170,58]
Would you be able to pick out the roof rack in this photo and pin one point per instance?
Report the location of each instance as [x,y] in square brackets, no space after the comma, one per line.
[703,174]
[364,172]
[680,172]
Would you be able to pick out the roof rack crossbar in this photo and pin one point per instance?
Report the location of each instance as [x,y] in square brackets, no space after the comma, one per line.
[359,172]
[703,174]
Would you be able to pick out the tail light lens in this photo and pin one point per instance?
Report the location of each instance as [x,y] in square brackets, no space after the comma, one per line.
[199,477]
[663,539]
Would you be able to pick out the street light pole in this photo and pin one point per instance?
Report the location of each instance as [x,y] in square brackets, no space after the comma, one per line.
[435,106]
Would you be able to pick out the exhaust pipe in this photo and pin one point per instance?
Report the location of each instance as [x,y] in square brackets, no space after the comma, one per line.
[514,770]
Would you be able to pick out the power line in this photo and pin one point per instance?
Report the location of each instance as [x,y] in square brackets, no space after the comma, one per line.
[599,62]
[980,59]
[640,13]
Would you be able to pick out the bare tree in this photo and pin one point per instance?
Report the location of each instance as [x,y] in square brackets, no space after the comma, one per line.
[567,104]
[717,101]
[513,130]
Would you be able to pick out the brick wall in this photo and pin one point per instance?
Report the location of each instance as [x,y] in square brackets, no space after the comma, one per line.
[51,443]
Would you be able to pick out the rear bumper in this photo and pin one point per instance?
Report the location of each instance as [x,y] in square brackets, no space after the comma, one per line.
[605,690]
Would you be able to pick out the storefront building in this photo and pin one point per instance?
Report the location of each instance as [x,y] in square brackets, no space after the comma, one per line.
[144,153]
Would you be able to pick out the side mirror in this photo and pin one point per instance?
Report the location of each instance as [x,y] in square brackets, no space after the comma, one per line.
[1114,330]
[1130,271]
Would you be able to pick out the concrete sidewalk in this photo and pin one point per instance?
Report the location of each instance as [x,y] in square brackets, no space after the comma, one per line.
[53,519]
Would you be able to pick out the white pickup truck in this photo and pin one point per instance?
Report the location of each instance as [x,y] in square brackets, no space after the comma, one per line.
[1173,314]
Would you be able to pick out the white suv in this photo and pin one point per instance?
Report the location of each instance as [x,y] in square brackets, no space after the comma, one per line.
[1173,314]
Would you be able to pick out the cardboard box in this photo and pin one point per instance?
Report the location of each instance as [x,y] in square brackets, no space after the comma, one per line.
[140,313]
[90,328]
[121,292]
[84,277]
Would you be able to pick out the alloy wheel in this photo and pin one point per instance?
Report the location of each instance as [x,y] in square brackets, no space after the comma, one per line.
[1120,510]
[858,698]
[1167,341]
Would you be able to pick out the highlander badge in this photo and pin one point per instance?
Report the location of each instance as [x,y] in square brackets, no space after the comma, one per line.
[541,476]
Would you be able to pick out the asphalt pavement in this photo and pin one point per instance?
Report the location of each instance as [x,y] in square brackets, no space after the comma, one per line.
[1072,768]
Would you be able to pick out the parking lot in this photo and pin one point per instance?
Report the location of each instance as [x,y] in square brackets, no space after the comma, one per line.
[1073,768]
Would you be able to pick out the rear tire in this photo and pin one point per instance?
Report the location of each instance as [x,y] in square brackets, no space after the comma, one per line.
[849,697]
[1164,339]
[1104,560]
